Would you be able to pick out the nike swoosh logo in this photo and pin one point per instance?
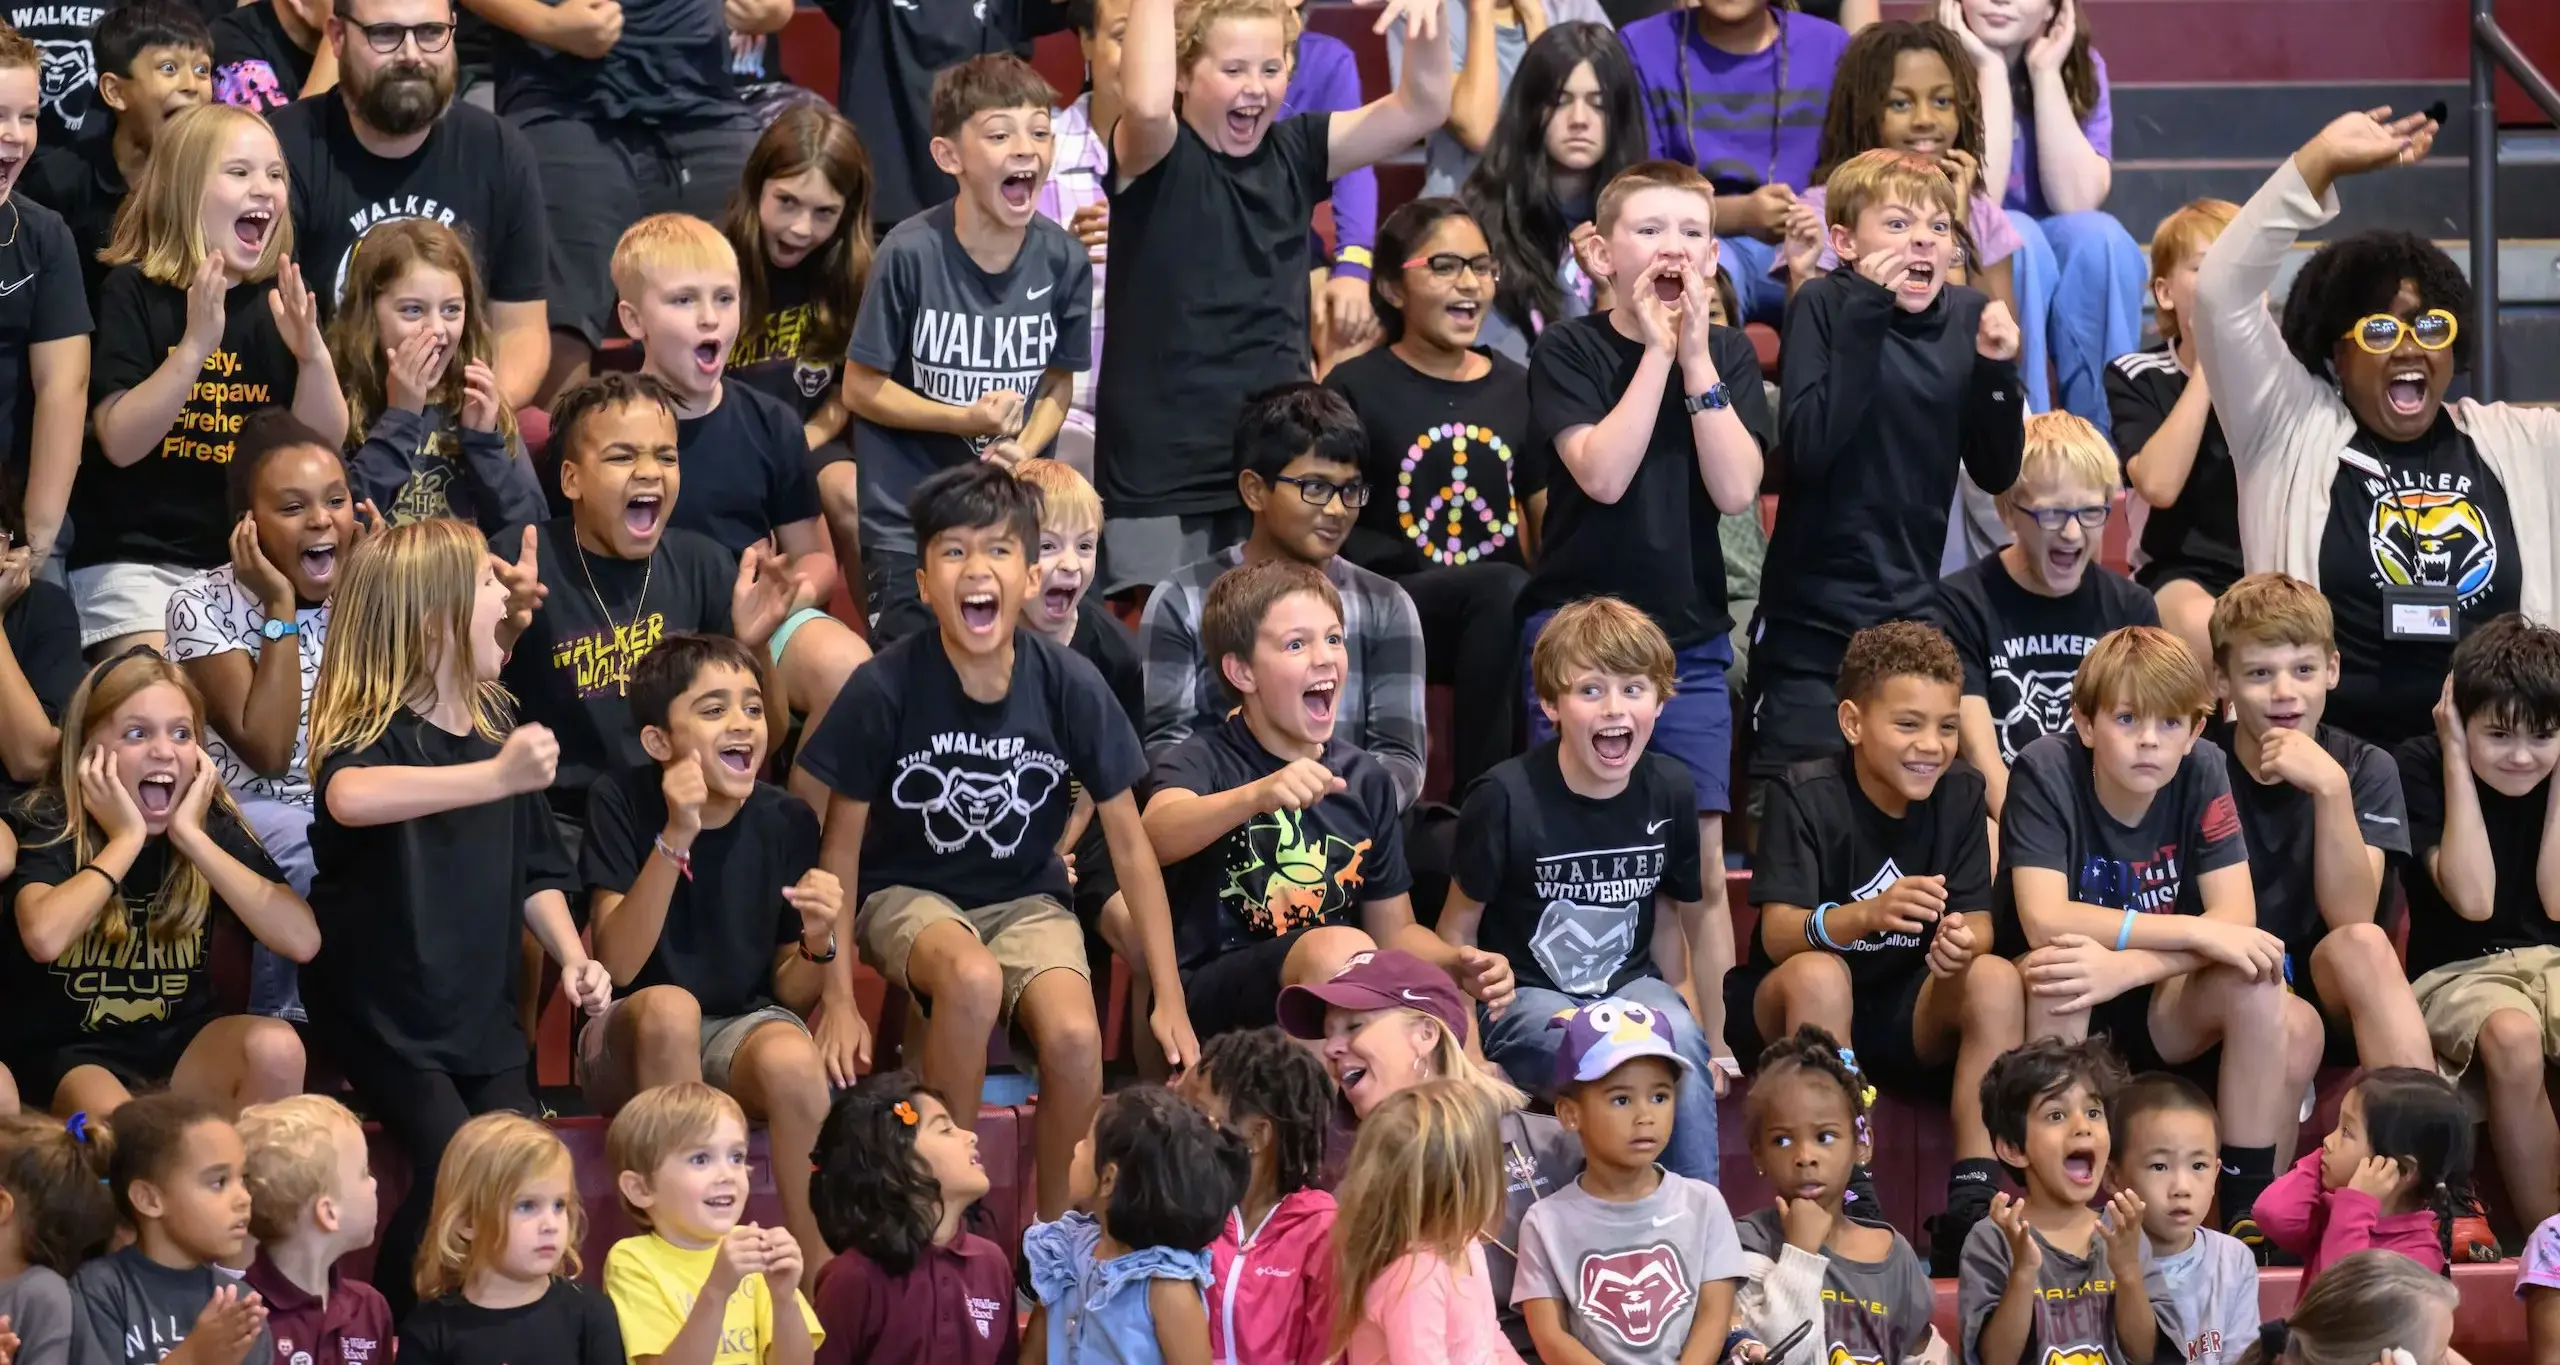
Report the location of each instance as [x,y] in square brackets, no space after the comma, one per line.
[2229,1169]
[1656,826]
[1416,997]
[1666,1220]
[2374,819]
[1033,294]
[8,289]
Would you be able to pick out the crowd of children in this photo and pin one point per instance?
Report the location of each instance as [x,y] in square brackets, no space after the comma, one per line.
[342,712]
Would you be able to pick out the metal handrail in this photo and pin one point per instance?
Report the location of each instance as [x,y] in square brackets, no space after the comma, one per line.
[2492,51]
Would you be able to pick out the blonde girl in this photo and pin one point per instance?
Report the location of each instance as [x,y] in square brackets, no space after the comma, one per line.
[203,320]
[436,852]
[1425,1181]
[497,1278]
[2371,1308]
[134,857]
[417,362]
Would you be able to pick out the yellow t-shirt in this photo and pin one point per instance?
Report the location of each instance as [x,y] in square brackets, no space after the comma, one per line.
[653,1282]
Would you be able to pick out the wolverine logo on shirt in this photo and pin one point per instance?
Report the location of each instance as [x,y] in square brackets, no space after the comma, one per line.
[133,982]
[600,661]
[1635,1294]
[2432,539]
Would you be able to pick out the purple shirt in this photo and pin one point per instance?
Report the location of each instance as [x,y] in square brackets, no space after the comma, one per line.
[352,1328]
[2026,187]
[955,1307]
[1745,121]
[1326,80]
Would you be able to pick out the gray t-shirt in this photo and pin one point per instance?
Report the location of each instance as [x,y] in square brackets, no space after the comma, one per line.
[38,1306]
[1873,1312]
[131,1310]
[936,323]
[2215,1284]
[1628,1274]
[2074,1322]
[1446,161]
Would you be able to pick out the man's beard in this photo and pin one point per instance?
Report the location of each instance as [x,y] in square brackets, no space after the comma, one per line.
[403,98]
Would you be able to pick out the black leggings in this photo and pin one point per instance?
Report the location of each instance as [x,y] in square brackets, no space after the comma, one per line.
[421,1111]
[1471,640]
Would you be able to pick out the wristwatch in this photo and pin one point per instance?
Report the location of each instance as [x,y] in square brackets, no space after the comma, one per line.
[278,627]
[1715,399]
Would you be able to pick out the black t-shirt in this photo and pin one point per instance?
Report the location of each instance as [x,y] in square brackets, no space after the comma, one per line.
[256,64]
[2053,820]
[571,667]
[1289,870]
[67,82]
[1632,548]
[2437,935]
[2427,514]
[81,182]
[42,299]
[43,630]
[968,798]
[1108,646]
[568,1325]
[887,58]
[1823,842]
[1207,296]
[2200,532]
[1567,881]
[773,353]
[96,989]
[669,67]
[473,174]
[1451,465]
[727,917]
[168,507]
[1881,408]
[746,470]
[2020,649]
[420,920]
[2280,823]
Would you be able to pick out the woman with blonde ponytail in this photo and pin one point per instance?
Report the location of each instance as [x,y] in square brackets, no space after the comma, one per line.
[2371,1308]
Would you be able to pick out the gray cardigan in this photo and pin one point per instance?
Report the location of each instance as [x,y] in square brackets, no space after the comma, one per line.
[2288,427]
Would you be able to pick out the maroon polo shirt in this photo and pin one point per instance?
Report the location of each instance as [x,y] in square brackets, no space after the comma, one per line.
[954,1308]
[352,1328]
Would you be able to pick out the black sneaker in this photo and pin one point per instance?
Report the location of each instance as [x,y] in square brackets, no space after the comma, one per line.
[2245,1231]
[1948,1231]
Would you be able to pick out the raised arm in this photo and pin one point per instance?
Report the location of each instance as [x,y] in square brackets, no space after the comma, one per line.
[1384,127]
[1147,125]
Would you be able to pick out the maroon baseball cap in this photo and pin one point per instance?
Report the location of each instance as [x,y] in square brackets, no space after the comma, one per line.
[1375,981]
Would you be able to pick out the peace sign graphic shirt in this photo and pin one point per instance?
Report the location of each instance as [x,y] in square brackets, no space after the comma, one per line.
[968,798]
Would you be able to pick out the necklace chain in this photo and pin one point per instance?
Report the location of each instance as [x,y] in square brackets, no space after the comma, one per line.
[648,569]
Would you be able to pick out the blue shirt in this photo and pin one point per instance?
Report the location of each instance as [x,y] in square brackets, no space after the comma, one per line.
[1097,1310]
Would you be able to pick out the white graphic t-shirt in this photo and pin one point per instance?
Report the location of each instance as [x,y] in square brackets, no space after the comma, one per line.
[210,614]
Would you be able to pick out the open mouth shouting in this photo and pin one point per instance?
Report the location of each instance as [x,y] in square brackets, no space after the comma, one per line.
[1465,315]
[13,159]
[157,795]
[319,560]
[251,228]
[1613,744]
[642,514]
[1319,699]
[978,612]
[2062,561]
[1244,122]
[2080,1165]
[1058,598]
[1919,279]
[2406,389]
[1019,186]
[709,356]
[1671,284]
[738,756]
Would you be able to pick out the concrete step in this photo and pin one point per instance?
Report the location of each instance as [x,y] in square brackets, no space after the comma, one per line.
[2248,120]
[2432,199]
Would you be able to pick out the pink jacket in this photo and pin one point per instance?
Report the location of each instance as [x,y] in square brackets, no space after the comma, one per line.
[1271,1290]
[2320,1226]
[1424,1311]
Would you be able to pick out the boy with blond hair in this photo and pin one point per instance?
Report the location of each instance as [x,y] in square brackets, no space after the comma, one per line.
[977,316]
[676,278]
[1904,378]
[1660,427]
[2174,453]
[311,1201]
[2124,878]
[696,1286]
[1568,854]
[2022,619]
[2321,811]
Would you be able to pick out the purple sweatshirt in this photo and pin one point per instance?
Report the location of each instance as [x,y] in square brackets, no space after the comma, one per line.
[2026,184]
[1744,121]
[1326,79]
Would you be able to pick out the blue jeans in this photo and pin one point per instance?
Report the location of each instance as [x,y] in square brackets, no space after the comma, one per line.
[1525,1048]
[1763,296]
[2079,279]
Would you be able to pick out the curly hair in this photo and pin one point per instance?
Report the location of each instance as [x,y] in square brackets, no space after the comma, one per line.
[1809,1051]
[1175,1175]
[1512,191]
[1265,1074]
[870,1192]
[2358,276]
[1854,121]
[2048,1066]
[1893,650]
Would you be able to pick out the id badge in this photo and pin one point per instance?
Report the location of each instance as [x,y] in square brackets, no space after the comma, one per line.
[2421,614]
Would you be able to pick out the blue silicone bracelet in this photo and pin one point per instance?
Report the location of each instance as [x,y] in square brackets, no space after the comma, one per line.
[2124,935]
[1822,931]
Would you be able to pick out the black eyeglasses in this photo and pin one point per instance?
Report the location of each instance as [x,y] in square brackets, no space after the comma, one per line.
[2052,518]
[1318,492]
[386,38]
[1445,265]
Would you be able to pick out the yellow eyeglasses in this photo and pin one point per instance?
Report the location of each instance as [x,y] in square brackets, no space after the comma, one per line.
[2379,334]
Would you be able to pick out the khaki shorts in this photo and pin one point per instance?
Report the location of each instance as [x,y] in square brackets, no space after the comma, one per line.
[1027,937]
[2459,997]
[721,1041]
